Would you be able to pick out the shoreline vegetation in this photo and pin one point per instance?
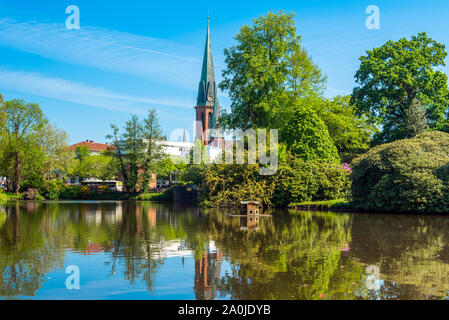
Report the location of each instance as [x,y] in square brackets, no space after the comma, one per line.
[331,205]
[106,196]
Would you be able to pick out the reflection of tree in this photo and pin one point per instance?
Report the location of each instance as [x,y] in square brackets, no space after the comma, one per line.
[412,253]
[289,257]
[135,250]
[34,235]
[24,254]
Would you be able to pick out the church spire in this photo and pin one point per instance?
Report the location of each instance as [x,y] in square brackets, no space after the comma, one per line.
[207,90]
[207,106]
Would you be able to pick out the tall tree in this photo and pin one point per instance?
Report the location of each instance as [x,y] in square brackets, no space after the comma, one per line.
[305,77]
[132,151]
[117,151]
[152,135]
[415,119]
[265,70]
[18,134]
[54,144]
[392,76]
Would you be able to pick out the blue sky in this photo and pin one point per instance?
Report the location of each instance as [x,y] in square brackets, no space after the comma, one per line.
[132,55]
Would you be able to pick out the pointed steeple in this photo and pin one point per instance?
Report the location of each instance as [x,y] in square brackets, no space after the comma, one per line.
[207,90]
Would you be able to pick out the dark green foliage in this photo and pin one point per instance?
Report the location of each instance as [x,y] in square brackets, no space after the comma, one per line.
[415,119]
[392,76]
[310,181]
[57,190]
[350,133]
[54,189]
[410,175]
[193,174]
[307,136]
[227,185]
[296,180]
[33,180]
[166,196]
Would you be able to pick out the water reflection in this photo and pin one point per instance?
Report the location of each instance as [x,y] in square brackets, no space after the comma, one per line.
[146,251]
[207,273]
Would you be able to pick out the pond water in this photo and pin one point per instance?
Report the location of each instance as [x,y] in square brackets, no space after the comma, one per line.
[142,250]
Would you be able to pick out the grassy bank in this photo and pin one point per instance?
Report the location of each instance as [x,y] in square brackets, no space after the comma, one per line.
[6,196]
[337,204]
[156,196]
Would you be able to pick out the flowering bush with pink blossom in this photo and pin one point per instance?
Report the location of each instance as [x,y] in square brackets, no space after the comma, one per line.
[346,167]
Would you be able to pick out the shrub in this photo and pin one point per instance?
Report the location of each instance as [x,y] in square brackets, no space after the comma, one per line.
[409,175]
[296,180]
[102,189]
[85,192]
[227,185]
[310,181]
[165,196]
[149,196]
[193,174]
[34,181]
[53,189]
[3,196]
[32,194]
[70,193]
[307,136]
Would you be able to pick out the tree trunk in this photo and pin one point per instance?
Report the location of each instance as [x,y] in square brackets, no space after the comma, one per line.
[17,173]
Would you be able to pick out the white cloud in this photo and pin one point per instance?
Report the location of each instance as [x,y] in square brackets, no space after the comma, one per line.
[39,85]
[150,58]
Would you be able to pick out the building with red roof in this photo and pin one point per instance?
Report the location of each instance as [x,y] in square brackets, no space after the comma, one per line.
[94,147]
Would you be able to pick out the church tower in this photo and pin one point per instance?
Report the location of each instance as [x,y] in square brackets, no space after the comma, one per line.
[207,107]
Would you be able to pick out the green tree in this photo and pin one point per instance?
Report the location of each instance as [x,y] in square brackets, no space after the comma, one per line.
[265,71]
[415,119]
[53,142]
[129,149]
[138,150]
[152,135]
[18,134]
[392,76]
[350,133]
[307,136]
[98,166]
[82,152]
[305,76]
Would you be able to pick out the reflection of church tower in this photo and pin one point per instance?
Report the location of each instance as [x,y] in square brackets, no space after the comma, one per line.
[207,275]
[207,106]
